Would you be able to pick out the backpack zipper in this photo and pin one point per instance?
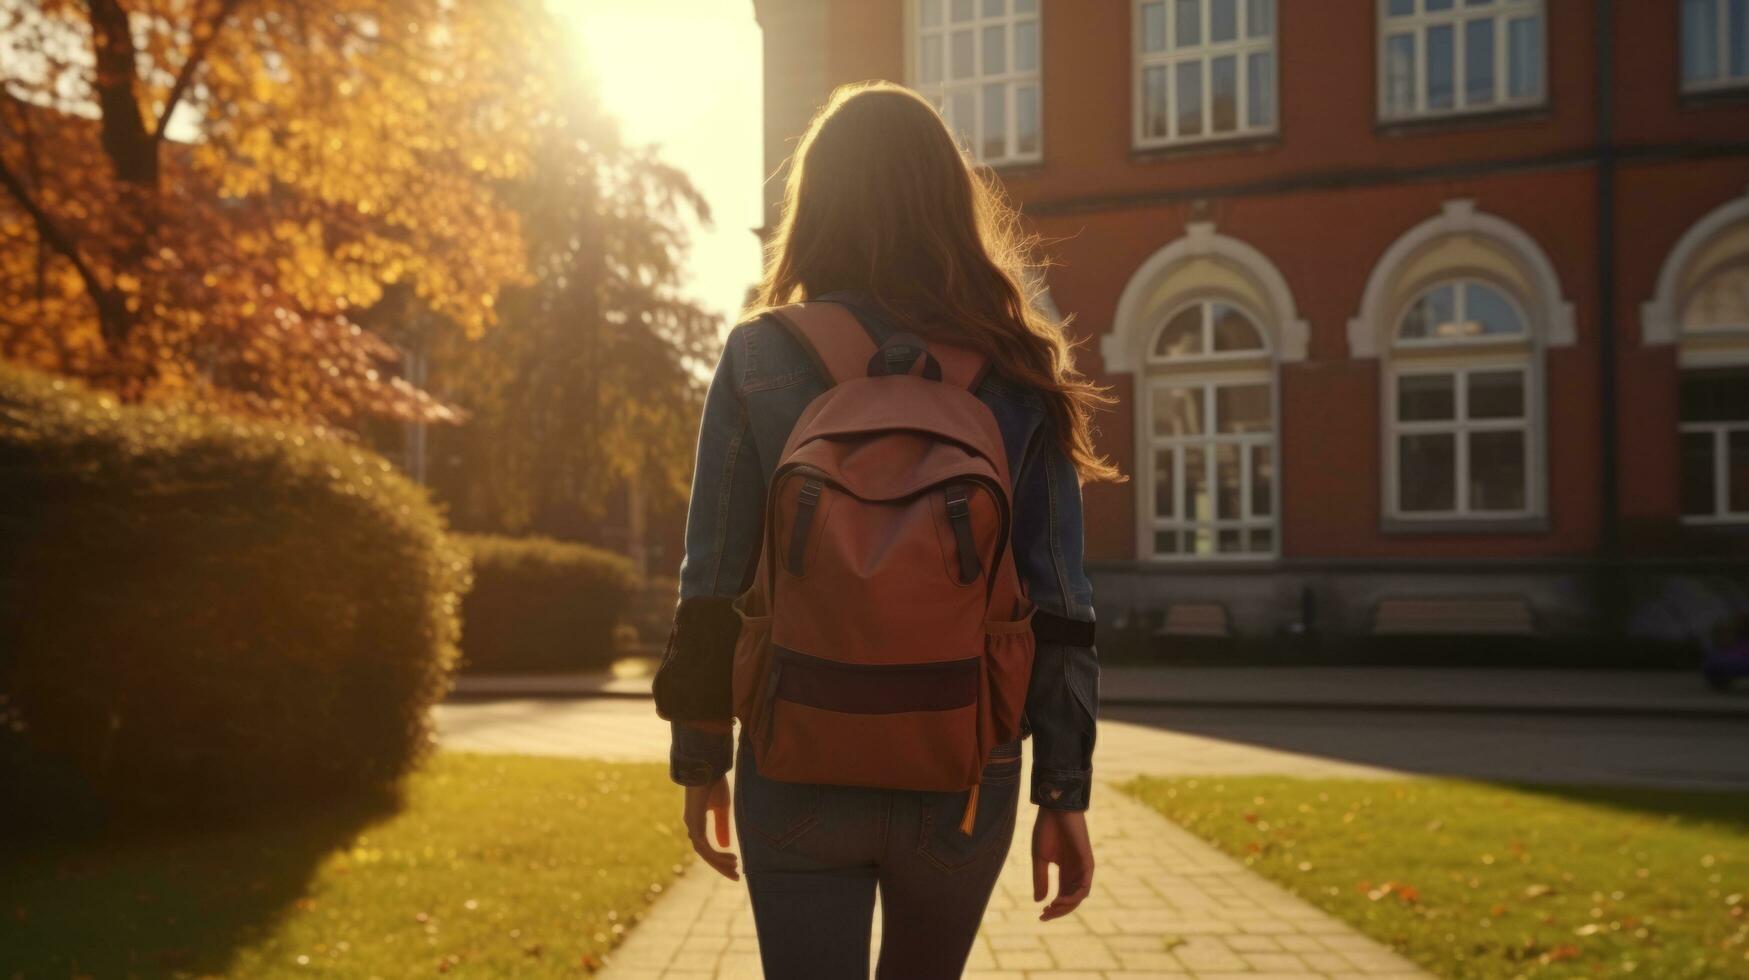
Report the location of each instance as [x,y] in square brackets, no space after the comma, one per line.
[970,819]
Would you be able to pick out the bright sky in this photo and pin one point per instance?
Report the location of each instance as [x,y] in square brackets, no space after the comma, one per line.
[685,75]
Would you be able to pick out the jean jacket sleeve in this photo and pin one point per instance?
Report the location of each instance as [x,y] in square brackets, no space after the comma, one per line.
[1061,702]
[722,536]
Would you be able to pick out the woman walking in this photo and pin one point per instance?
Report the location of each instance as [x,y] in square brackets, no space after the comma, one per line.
[883,576]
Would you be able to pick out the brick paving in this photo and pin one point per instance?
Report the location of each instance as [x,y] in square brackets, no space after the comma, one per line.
[1164,903]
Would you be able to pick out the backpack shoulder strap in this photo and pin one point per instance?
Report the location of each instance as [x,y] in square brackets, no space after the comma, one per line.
[842,348]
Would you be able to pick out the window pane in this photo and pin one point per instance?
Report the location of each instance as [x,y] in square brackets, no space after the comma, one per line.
[1025,6]
[995,121]
[1487,312]
[929,13]
[962,113]
[1738,38]
[1426,397]
[1479,61]
[1187,80]
[1427,472]
[1700,49]
[1231,540]
[1715,395]
[1154,107]
[963,63]
[1026,119]
[1178,412]
[1154,26]
[1187,23]
[962,10]
[1262,481]
[1026,46]
[995,8]
[1229,484]
[1721,301]
[1400,74]
[1699,492]
[1224,94]
[1197,505]
[1223,20]
[929,59]
[1165,496]
[1200,541]
[1497,470]
[1182,335]
[1242,408]
[1496,395]
[1400,8]
[1259,18]
[1165,542]
[995,50]
[1233,330]
[1737,471]
[1524,58]
[1431,316]
[1262,540]
[1260,89]
[1435,6]
[1439,67]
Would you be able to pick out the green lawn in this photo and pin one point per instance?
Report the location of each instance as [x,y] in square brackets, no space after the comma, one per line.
[1477,880]
[493,866]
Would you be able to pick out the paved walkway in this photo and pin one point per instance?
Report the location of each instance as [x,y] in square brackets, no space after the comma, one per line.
[1164,903]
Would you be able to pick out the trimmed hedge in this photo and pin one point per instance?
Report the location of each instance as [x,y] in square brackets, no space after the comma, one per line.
[209,614]
[541,605]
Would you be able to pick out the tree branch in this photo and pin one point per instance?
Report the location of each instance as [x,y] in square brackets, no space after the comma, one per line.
[51,233]
[131,152]
[196,57]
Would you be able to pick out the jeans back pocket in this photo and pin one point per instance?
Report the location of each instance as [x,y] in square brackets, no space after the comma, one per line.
[940,838]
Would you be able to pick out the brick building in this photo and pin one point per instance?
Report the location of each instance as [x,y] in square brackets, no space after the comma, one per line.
[1427,316]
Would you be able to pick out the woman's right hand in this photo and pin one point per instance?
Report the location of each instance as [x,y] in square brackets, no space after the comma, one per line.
[1060,838]
[703,802]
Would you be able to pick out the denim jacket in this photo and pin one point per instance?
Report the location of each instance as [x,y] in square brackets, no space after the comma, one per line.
[762,383]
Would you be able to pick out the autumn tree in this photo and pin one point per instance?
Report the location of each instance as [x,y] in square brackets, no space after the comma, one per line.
[593,380]
[200,197]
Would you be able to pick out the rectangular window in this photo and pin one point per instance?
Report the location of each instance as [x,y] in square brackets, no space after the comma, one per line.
[1445,57]
[1213,490]
[978,62]
[1715,445]
[1205,70]
[1462,443]
[1715,44]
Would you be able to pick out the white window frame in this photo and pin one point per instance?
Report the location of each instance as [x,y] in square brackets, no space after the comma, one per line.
[1721,433]
[1207,373]
[1241,48]
[1460,427]
[940,93]
[1725,81]
[1501,12]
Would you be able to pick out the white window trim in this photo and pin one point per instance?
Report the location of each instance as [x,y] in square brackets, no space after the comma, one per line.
[1457,17]
[937,92]
[1722,50]
[1460,426]
[1661,316]
[1457,282]
[1240,47]
[1207,372]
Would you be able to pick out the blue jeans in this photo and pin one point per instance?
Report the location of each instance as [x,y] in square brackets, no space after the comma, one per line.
[814,856]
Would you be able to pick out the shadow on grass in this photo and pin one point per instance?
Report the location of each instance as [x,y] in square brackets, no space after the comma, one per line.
[162,901]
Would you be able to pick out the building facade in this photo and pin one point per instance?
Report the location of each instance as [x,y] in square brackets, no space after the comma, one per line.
[1427,317]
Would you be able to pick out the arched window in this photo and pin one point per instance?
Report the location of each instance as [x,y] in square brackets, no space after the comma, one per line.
[1702,306]
[1211,434]
[1461,433]
[1459,310]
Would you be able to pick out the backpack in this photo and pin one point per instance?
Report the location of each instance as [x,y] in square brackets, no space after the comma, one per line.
[886,640]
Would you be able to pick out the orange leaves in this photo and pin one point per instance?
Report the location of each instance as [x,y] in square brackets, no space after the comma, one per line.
[1403,893]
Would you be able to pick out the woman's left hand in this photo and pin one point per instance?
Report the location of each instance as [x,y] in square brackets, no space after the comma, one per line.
[703,802]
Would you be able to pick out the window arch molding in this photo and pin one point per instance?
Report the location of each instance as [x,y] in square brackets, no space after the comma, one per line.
[1686,265]
[1150,291]
[1370,331]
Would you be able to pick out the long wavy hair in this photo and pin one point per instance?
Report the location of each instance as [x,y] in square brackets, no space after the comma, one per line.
[880,199]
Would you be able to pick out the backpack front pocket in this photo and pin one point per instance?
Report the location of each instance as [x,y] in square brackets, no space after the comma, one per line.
[899,726]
